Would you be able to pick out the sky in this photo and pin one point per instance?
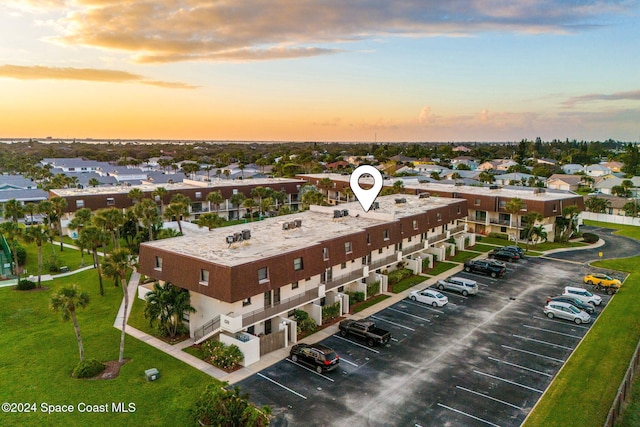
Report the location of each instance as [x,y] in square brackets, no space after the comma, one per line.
[320,70]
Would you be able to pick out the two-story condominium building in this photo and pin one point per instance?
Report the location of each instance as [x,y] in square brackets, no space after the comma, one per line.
[245,281]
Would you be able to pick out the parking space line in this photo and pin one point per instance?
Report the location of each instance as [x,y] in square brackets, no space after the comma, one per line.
[342,359]
[284,387]
[451,293]
[488,397]
[468,415]
[518,366]
[358,344]
[409,314]
[553,332]
[560,323]
[533,354]
[310,370]
[542,342]
[421,305]
[508,381]
[393,323]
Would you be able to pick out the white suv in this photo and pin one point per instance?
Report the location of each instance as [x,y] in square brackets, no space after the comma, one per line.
[583,295]
[459,284]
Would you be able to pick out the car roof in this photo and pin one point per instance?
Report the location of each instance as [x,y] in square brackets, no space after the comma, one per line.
[573,288]
[564,304]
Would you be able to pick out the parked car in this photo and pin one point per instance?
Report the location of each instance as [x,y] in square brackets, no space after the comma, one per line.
[320,357]
[429,296]
[574,302]
[485,267]
[564,310]
[504,255]
[364,329]
[583,295]
[603,282]
[459,284]
[515,249]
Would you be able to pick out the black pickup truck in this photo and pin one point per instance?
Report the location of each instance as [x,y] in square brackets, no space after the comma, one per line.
[365,329]
[490,268]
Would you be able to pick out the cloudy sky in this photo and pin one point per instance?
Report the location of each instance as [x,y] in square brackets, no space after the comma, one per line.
[312,70]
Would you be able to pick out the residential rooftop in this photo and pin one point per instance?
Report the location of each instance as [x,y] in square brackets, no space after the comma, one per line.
[268,238]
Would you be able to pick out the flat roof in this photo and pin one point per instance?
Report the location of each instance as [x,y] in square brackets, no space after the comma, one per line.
[214,183]
[525,193]
[268,238]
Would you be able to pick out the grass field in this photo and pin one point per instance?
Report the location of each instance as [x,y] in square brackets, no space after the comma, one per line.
[588,382]
[440,267]
[39,351]
[623,230]
[407,283]
[479,247]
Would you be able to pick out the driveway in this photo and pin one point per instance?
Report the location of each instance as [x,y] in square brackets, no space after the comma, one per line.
[614,247]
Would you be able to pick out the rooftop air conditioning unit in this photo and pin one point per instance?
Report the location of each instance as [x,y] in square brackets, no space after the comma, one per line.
[345,212]
[246,234]
[298,223]
[292,224]
[493,187]
[285,226]
[229,239]
[424,195]
[237,237]
[403,200]
[337,214]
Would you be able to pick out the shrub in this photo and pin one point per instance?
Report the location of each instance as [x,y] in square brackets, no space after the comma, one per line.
[221,355]
[355,297]
[373,289]
[25,285]
[53,264]
[396,276]
[305,323]
[503,236]
[219,406]
[590,237]
[21,255]
[330,311]
[88,369]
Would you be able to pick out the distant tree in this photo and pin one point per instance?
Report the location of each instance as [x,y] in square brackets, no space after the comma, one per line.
[456,175]
[66,301]
[38,234]
[463,167]
[210,220]
[631,160]
[135,194]
[92,237]
[147,211]
[160,193]
[176,210]
[110,220]
[249,204]
[514,206]
[190,168]
[93,182]
[435,175]
[486,176]
[540,234]
[597,204]
[311,196]
[529,221]
[631,208]
[13,210]
[619,190]
[325,184]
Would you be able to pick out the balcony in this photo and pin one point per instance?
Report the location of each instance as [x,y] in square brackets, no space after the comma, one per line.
[383,261]
[477,219]
[279,307]
[504,222]
[407,249]
[456,229]
[344,279]
[437,238]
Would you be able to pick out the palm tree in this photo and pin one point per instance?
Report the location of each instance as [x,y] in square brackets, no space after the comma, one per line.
[59,205]
[167,304]
[530,219]
[514,206]
[66,300]
[312,197]
[210,220]
[11,231]
[116,265]
[110,220]
[147,211]
[135,194]
[266,204]
[30,208]
[348,193]
[176,210]
[92,237]
[241,167]
[570,213]
[13,210]
[166,233]
[93,182]
[540,233]
[325,184]
[215,198]
[37,234]
[486,177]
[81,218]
[237,200]
[159,194]
[249,204]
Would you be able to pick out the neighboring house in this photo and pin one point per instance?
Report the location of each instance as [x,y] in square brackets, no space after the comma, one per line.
[33,195]
[605,185]
[246,281]
[399,158]
[564,182]
[597,170]
[426,170]
[498,165]
[472,174]
[547,161]
[464,160]
[616,204]
[123,173]
[613,166]
[16,182]
[74,164]
[461,149]
[340,164]
[572,168]
[356,160]
[516,178]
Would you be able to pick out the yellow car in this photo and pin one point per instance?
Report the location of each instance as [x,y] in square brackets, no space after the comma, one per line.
[602,282]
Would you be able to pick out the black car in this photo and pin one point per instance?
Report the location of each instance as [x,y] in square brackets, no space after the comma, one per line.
[484,266]
[503,255]
[515,249]
[574,302]
[321,357]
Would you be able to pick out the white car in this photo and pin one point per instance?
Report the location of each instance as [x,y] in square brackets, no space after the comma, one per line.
[564,310]
[429,296]
[583,295]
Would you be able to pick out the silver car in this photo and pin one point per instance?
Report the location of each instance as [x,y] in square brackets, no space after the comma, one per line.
[459,284]
[564,310]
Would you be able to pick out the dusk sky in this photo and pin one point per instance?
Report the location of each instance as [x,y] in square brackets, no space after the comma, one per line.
[333,70]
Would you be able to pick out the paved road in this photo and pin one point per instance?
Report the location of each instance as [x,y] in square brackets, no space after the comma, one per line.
[615,247]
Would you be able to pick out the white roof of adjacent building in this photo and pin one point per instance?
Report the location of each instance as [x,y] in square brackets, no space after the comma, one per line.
[268,239]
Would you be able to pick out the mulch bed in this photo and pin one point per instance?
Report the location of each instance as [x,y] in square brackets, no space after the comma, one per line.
[42,288]
[333,321]
[111,371]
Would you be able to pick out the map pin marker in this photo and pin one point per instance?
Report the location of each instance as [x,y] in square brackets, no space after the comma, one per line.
[366,196]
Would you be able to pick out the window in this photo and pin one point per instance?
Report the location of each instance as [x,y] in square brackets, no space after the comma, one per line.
[368,239]
[380,251]
[415,224]
[477,202]
[555,207]
[385,234]
[343,265]
[294,285]
[263,274]
[297,264]
[409,238]
[347,247]
[246,302]
[111,201]
[502,204]
[158,263]
[325,253]
[204,277]
[79,204]
[438,216]
[458,208]
[198,194]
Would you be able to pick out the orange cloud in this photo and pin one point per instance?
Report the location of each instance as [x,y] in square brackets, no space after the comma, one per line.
[40,72]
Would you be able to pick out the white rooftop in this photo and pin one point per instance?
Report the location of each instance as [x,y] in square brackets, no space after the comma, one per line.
[268,238]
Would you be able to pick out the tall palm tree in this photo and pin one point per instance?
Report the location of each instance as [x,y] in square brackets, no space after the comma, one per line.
[176,210]
[31,209]
[570,213]
[210,220]
[38,234]
[59,204]
[167,304]
[215,198]
[13,210]
[136,195]
[116,265]
[92,237]
[66,300]
[160,193]
[237,200]
[93,182]
[514,206]
[11,231]
[147,211]
[540,233]
[325,184]
[249,204]
[110,220]
[530,219]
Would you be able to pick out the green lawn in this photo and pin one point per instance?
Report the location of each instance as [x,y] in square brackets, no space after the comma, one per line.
[632,231]
[462,256]
[407,283]
[39,351]
[368,303]
[440,267]
[69,257]
[590,379]
[137,319]
[479,247]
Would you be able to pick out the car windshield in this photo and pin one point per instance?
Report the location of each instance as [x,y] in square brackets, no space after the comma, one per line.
[573,309]
[439,295]
[330,356]
[588,294]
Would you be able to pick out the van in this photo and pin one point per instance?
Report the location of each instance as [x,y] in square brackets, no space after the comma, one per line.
[583,295]
[459,284]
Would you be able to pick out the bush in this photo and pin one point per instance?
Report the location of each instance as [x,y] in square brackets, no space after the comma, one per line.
[330,312]
[53,264]
[398,275]
[25,285]
[305,323]
[88,369]
[373,289]
[219,406]
[590,237]
[221,355]
[355,297]
[21,255]
[503,236]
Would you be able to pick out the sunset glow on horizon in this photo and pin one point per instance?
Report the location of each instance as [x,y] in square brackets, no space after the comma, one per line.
[471,70]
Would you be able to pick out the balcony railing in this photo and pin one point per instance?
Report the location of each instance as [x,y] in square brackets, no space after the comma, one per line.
[344,279]
[407,249]
[477,219]
[437,238]
[280,307]
[211,326]
[456,229]
[383,261]
[499,221]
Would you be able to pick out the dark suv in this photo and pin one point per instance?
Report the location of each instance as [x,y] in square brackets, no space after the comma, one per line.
[485,267]
[321,357]
[515,249]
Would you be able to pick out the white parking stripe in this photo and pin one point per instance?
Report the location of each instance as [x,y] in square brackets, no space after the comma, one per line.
[284,387]
[560,323]
[310,370]
[358,344]
[553,332]
[408,314]
[542,342]
[393,323]
[342,359]
[509,381]
[468,415]
[488,397]
[419,304]
[452,293]
[518,366]
[534,354]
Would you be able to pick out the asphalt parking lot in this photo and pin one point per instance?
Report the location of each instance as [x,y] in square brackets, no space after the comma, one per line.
[482,360]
